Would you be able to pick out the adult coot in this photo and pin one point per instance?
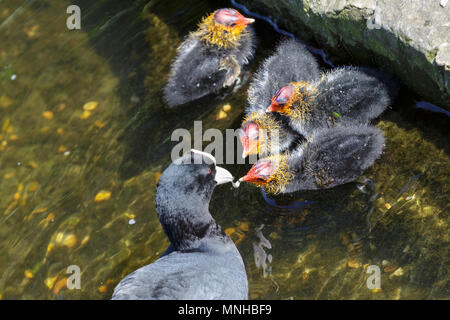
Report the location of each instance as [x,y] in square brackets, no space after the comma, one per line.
[202,262]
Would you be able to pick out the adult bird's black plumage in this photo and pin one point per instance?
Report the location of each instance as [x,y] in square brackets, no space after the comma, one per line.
[210,58]
[202,262]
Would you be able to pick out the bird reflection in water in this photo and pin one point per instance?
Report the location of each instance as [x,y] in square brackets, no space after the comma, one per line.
[262,258]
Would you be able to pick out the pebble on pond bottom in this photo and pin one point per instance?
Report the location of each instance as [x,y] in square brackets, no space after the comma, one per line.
[102,195]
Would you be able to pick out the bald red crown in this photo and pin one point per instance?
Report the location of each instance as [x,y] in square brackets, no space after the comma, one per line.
[281,97]
[231,18]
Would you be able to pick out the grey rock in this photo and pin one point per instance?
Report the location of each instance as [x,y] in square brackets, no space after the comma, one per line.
[410,38]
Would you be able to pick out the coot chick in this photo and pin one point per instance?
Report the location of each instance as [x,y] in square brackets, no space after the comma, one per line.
[343,96]
[265,134]
[330,157]
[291,61]
[202,262]
[211,57]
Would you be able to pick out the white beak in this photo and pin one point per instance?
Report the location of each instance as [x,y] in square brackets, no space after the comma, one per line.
[223,176]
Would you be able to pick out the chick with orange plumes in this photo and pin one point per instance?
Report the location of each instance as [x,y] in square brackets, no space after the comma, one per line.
[330,157]
[265,133]
[211,58]
[343,96]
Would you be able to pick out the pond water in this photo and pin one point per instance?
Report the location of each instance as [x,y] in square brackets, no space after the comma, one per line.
[77,180]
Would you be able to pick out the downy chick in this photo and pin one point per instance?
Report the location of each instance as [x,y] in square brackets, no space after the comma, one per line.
[342,96]
[211,58]
[329,158]
[291,61]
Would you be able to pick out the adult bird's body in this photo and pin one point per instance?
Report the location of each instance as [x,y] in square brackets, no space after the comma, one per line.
[202,262]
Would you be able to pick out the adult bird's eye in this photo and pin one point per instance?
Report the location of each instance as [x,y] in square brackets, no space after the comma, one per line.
[209,171]
[233,25]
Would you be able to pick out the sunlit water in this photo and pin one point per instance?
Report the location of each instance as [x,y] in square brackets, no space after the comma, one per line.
[77,186]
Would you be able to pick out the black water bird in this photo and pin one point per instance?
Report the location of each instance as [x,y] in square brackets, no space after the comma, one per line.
[202,262]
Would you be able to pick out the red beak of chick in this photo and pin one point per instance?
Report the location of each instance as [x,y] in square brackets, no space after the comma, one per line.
[243,21]
[259,173]
[280,98]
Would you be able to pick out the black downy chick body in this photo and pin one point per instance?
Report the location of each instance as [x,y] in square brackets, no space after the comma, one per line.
[343,96]
[330,157]
[202,262]
[291,61]
[210,58]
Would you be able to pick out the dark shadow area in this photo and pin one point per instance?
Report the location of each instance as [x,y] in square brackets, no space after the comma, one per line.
[430,124]
[300,213]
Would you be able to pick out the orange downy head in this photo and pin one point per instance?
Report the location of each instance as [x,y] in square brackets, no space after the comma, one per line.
[224,28]
[272,173]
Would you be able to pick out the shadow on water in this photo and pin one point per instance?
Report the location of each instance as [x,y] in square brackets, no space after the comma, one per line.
[428,123]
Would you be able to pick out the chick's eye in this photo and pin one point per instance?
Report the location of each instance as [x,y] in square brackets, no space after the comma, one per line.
[233,25]
[280,99]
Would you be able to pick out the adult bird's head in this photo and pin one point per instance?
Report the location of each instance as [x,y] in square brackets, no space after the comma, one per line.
[183,193]
[196,171]
[224,27]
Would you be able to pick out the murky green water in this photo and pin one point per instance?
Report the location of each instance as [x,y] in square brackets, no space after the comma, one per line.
[72,180]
